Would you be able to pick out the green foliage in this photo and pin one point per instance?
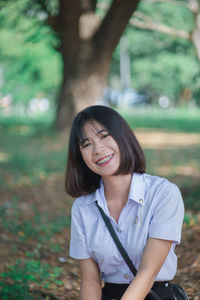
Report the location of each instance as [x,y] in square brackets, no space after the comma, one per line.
[100,9]
[167,73]
[162,64]
[16,291]
[175,16]
[22,273]
[190,220]
[192,198]
[30,63]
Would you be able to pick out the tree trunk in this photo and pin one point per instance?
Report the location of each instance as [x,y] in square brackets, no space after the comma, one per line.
[195,8]
[87,45]
[80,91]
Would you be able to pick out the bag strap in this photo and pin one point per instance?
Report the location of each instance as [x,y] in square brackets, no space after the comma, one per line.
[117,241]
[122,250]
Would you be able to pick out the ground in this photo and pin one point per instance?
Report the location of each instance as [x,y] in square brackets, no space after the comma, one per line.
[29,210]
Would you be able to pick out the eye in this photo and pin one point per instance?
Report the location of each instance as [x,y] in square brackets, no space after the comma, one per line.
[105,135]
[86,145]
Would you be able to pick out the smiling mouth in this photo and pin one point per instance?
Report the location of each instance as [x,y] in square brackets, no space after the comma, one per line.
[104,160]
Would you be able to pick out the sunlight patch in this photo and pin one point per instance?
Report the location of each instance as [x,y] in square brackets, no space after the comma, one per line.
[4,157]
[162,140]
[178,170]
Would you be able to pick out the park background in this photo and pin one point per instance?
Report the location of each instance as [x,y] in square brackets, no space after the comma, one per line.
[158,57]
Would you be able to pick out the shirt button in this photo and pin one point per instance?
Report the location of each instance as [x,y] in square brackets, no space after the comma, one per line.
[126,276]
[119,230]
[141,201]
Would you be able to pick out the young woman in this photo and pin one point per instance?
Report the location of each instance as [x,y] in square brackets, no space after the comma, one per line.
[106,164]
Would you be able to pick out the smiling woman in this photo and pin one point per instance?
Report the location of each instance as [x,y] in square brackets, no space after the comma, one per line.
[99,150]
[93,127]
[106,170]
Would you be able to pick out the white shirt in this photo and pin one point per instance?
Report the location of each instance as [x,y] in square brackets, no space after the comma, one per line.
[154,209]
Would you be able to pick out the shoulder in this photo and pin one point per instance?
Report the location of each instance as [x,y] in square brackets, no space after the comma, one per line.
[84,211]
[161,190]
[158,184]
[83,201]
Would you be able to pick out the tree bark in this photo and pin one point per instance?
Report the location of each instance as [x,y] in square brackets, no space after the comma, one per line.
[86,48]
[195,36]
[79,91]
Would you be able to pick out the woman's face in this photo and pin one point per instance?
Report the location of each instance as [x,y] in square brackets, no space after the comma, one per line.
[99,150]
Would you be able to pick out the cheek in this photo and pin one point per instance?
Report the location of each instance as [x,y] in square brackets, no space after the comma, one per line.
[116,147]
[85,156]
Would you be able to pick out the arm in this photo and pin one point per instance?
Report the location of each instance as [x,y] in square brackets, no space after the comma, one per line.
[90,280]
[153,257]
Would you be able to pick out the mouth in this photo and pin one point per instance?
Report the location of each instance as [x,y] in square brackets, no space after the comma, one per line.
[104,160]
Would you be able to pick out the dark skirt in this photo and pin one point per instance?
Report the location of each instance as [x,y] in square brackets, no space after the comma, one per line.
[116,291]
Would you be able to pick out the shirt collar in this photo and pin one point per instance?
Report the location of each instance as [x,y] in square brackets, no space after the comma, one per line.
[95,196]
[137,189]
[136,192]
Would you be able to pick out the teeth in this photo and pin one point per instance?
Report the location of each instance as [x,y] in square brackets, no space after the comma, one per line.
[100,162]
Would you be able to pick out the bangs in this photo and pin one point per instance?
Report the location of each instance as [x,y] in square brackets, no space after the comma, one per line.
[81,136]
[80,131]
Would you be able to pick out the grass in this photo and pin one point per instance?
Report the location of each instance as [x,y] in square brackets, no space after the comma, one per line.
[182,119]
[30,157]
[30,151]
[36,225]
[25,272]
[176,120]
[32,166]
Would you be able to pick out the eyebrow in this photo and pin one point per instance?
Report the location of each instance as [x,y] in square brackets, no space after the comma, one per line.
[83,141]
[100,131]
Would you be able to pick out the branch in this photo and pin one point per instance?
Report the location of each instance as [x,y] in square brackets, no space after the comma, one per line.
[143,16]
[145,22]
[103,6]
[68,27]
[113,25]
[174,2]
[192,5]
[88,6]
[160,28]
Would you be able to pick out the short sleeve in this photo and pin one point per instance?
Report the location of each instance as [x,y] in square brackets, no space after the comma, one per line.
[168,213]
[78,247]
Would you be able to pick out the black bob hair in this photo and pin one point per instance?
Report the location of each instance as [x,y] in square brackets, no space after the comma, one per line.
[80,180]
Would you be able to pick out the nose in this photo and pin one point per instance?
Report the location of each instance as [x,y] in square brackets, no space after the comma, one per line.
[97,148]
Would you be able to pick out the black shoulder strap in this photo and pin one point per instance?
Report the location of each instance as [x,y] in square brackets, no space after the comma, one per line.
[117,241]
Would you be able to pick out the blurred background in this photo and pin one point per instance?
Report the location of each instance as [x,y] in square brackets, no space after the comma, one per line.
[141,58]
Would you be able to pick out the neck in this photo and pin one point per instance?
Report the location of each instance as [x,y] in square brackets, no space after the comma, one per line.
[116,188]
